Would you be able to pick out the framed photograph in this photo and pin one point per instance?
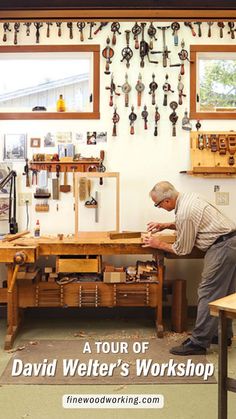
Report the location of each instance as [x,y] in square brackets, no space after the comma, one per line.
[35,142]
[5,168]
[14,147]
[91,138]
[101,137]
[64,137]
[49,140]
[4,208]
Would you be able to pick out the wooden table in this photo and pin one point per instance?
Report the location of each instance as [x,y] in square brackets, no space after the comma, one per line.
[20,295]
[224,308]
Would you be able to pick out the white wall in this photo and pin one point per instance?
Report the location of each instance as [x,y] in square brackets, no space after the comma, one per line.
[141,159]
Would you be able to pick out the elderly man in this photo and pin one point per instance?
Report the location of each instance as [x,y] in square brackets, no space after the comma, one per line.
[200,224]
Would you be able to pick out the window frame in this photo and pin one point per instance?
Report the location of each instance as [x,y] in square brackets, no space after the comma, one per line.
[194,113]
[94,114]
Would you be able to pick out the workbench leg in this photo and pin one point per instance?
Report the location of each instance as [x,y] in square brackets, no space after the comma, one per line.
[12,311]
[159,319]
[222,367]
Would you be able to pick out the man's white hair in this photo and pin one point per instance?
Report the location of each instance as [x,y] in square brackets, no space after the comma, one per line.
[163,190]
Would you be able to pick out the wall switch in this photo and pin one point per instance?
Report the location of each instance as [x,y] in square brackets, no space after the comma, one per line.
[23,198]
[222,198]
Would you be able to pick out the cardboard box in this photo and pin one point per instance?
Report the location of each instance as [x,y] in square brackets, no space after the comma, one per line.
[114,277]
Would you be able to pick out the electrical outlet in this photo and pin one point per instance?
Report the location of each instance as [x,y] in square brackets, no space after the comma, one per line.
[222,198]
[23,198]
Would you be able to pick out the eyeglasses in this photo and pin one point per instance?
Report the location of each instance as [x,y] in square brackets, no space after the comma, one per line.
[157,205]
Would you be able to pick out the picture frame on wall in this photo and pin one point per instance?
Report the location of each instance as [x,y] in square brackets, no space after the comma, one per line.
[35,142]
[5,168]
[4,208]
[14,147]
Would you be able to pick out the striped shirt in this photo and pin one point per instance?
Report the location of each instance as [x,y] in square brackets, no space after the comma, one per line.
[198,223]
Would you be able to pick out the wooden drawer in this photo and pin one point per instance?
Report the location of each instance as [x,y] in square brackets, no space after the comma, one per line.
[89,264]
[3,295]
[89,294]
[136,295]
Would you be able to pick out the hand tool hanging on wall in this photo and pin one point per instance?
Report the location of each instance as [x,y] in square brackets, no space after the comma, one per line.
[152,34]
[173,117]
[153,87]
[126,88]
[144,115]
[107,53]
[26,173]
[34,177]
[186,124]
[81,26]
[101,26]
[166,88]
[132,118]
[183,55]
[231,29]
[115,28]
[55,184]
[144,49]
[221,25]
[48,29]
[27,24]
[115,120]
[101,167]
[200,142]
[209,28]
[190,26]
[16,31]
[65,188]
[6,28]
[136,30]
[180,88]
[214,143]
[112,89]
[70,27]
[127,52]
[165,52]
[140,88]
[175,26]
[199,28]
[157,118]
[37,25]
[91,25]
[59,28]
[198,125]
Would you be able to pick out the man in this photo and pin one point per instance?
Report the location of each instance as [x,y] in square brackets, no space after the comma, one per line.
[200,224]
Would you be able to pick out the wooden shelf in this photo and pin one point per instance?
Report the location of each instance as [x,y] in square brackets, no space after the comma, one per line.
[82,165]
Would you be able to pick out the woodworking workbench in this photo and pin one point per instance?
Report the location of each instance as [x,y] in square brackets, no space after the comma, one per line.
[224,308]
[23,293]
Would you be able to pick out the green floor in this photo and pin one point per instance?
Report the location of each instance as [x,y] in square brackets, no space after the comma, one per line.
[40,402]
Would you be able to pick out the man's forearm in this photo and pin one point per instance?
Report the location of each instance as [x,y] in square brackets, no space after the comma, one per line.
[171,226]
[166,247]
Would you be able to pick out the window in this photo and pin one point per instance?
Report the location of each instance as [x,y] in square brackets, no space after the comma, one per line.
[213,82]
[33,78]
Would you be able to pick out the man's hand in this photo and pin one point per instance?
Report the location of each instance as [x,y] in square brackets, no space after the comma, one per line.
[156,243]
[154,227]
[152,241]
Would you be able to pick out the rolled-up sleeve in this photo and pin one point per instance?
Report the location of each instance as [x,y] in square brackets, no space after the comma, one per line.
[185,239]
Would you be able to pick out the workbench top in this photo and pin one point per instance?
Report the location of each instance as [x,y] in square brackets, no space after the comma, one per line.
[88,243]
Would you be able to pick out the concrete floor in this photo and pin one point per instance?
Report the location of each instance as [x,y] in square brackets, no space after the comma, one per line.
[42,402]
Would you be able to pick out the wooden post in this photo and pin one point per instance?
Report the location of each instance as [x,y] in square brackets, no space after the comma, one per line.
[76,194]
[179,306]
